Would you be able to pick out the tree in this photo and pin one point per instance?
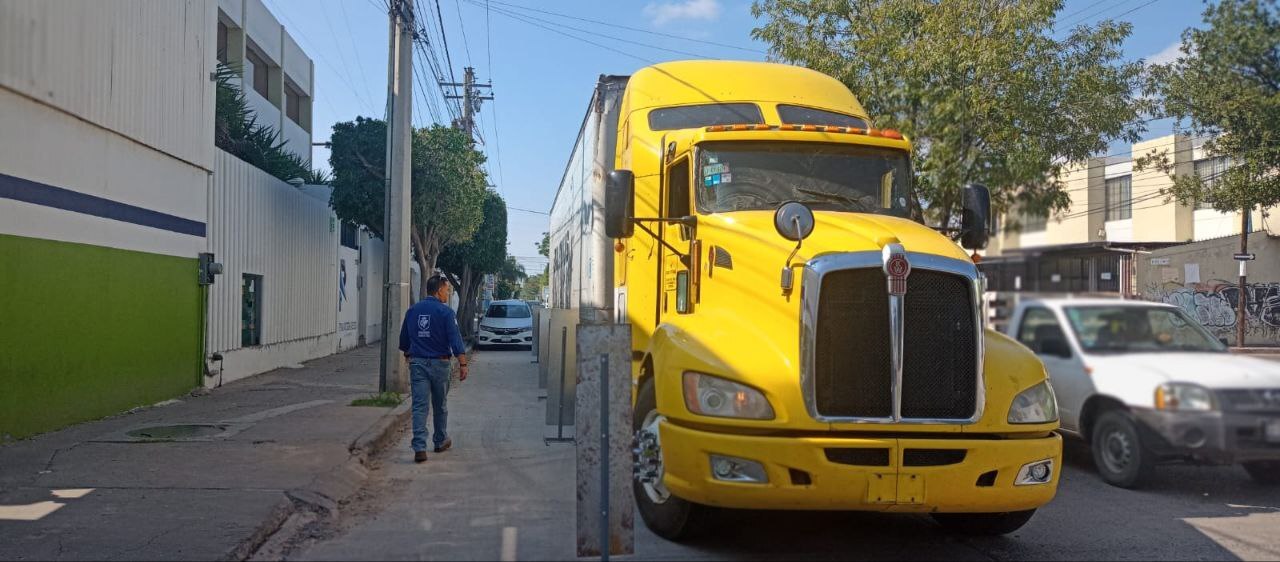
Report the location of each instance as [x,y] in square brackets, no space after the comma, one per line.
[237,131]
[510,277]
[1227,84]
[984,91]
[466,263]
[448,185]
[449,190]
[532,288]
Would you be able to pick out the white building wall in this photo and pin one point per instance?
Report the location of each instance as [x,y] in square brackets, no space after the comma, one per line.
[373,252]
[137,67]
[263,28]
[296,64]
[296,139]
[263,226]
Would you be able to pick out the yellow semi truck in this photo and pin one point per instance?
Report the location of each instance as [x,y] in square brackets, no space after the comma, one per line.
[798,342]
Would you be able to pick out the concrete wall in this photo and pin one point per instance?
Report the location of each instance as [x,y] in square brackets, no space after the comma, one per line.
[106,139]
[262,226]
[1203,279]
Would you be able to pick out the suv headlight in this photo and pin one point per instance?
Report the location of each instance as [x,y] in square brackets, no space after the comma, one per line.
[1182,397]
[1035,405]
[486,328]
[713,396]
[527,329]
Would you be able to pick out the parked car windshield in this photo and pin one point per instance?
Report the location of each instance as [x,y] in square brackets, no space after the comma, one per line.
[1103,329]
[508,311]
[833,177]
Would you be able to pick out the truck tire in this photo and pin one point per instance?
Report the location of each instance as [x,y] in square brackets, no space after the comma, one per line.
[984,524]
[669,517]
[1264,472]
[1122,458]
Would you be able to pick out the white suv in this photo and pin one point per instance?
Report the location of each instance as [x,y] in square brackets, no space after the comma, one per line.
[508,322]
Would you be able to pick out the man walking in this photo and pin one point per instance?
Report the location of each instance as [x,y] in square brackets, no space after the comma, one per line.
[429,339]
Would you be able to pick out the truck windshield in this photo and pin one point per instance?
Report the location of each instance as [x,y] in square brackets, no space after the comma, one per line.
[832,177]
[1103,329]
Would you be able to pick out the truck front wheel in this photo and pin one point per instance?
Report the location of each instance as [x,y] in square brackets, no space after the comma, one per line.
[666,515]
[984,524]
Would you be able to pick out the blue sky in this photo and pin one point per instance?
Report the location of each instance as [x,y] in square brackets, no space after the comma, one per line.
[542,79]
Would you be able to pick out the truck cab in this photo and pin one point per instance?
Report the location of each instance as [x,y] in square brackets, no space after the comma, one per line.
[798,341]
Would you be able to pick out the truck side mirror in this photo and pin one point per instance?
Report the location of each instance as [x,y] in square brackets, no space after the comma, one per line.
[619,204]
[975,217]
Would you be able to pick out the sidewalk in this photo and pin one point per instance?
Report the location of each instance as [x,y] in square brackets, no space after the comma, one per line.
[253,453]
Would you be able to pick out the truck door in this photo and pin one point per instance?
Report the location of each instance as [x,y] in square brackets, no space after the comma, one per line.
[677,286]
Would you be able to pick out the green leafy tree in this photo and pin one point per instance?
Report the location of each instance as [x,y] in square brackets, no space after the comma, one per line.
[448,185]
[466,263]
[237,131]
[449,190]
[984,91]
[1227,85]
[510,278]
[532,288]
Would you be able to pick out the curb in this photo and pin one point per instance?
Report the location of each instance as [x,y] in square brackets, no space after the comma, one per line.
[325,493]
[1256,350]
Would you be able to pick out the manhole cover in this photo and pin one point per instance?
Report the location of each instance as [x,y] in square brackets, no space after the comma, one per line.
[177,432]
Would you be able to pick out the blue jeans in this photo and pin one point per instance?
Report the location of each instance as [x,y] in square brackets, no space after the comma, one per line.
[429,380]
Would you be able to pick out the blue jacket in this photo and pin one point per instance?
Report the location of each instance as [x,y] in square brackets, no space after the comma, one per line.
[430,330]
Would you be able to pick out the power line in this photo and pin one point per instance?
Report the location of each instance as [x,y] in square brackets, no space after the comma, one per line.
[342,75]
[509,207]
[636,29]
[588,41]
[588,32]
[466,43]
[445,38]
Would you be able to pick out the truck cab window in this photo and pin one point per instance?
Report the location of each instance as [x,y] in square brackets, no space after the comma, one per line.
[753,176]
[678,190]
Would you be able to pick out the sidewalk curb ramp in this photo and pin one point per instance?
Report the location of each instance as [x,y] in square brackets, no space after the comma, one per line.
[323,496]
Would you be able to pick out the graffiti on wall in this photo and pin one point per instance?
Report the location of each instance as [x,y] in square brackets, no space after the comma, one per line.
[1214,303]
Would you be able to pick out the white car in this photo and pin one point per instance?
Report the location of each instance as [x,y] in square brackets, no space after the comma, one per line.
[508,322]
[1144,383]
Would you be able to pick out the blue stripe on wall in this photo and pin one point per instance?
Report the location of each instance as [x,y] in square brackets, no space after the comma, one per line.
[36,193]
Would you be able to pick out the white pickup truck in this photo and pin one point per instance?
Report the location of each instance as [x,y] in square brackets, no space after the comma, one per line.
[1144,383]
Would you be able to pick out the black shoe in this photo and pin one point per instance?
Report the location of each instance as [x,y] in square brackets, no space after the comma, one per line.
[445,446]
[420,456]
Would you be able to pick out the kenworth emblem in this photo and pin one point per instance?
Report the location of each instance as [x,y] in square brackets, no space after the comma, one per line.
[896,268]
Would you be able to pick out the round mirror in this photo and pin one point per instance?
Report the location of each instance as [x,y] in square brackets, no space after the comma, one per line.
[793,220]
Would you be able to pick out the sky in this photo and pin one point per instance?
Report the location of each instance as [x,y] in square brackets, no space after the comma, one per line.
[543,71]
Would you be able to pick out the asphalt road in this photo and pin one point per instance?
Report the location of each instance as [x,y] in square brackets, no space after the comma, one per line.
[503,493]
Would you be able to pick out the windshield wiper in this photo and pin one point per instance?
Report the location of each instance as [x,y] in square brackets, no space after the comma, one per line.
[831,196]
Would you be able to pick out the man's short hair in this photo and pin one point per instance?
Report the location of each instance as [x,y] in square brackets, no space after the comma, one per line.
[434,284]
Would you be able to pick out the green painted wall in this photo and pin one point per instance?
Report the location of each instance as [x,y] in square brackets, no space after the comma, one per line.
[88,331]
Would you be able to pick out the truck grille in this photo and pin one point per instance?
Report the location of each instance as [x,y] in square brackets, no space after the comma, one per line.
[853,374]
[940,351]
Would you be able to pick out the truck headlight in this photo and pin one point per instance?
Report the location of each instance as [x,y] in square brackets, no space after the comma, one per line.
[713,396]
[1034,405]
[1182,397]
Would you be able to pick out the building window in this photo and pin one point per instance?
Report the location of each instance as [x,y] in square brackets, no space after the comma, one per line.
[258,66]
[1034,222]
[293,103]
[1209,170]
[222,42]
[1119,198]
[350,236]
[251,310]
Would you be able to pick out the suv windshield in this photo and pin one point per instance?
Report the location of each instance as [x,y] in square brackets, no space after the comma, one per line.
[508,311]
[830,177]
[1138,329]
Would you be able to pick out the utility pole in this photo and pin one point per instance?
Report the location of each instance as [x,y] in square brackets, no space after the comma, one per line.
[1241,315]
[393,375]
[470,97]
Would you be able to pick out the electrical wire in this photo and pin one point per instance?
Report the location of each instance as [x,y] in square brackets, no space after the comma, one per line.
[635,29]
[588,41]
[588,32]
[343,76]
